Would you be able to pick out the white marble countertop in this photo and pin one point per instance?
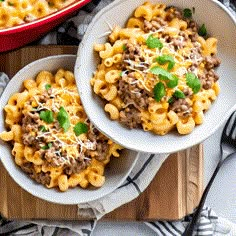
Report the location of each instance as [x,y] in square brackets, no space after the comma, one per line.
[221,198]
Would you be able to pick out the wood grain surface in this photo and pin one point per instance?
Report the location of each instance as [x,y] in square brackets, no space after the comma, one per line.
[172,194]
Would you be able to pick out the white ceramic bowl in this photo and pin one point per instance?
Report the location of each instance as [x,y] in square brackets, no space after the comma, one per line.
[219,22]
[115,173]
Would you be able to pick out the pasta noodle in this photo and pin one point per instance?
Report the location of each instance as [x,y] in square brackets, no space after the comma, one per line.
[53,140]
[15,12]
[158,72]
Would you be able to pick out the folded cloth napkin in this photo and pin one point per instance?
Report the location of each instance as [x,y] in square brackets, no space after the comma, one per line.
[71,33]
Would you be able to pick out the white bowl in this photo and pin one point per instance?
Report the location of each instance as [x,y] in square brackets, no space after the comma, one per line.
[220,23]
[116,173]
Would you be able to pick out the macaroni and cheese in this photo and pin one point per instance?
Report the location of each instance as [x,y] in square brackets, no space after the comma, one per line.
[15,12]
[53,140]
[158,73]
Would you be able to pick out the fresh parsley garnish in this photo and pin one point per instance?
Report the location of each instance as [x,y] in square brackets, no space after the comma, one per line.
[159,91]
[193,82]
[46,116]
[10,3]
[48,86]
[153,42]
[171,100]
[63,119]
[124,47]
[202,30]
[2,0]
[157,70]
[47,146]
[173,83]
[164,59]
[80,128]
[42,128]
[178,94]
[187,13]
[172,80]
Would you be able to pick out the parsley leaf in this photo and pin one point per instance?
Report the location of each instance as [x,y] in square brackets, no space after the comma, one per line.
[46,116]
[171,100]
[63,119]
[47,146]
[162,60]
[193,82]
[173,83]
[124,47]
[48,86]
[202,30]
[80,128]
[157,70]
[153,42]
[159,91]
[42,128]
[187,13]
[178,94]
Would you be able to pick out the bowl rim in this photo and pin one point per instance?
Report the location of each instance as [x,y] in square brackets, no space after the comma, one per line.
[78,64]
[39,193]
[41,21]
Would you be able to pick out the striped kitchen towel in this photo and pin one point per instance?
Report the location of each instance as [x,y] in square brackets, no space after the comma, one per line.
[71,33]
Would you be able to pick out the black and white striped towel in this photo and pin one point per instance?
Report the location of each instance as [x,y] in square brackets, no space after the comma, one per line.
[71,33]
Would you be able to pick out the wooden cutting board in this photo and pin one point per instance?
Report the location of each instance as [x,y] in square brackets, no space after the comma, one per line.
[173,193]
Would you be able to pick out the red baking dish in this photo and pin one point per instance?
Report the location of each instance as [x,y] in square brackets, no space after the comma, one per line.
[17,36]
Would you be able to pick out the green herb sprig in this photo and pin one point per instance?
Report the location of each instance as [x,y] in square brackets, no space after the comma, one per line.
[80,128]
[202,31]
[46,116]
[153,42]
[48,86]
[63,119]
[187,13]
[193,82]
[172,80]
[159,91]
[164,59]
[47,146]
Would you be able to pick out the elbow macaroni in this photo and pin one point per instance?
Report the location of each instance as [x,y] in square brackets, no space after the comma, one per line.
[158,46]
[51,155]
[15,12]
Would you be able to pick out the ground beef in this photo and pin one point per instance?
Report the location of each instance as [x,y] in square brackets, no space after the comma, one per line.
[187,92]
[134,98]
[41,177]
[178,42]
[184,35]
[192,25]
[132,94]
[208,79]
[27,167]
[133,53]
[153,25]
[172,12]
[101,144]
[75,166]
[211,62]
[131,117]
[102,148]
[181,107]
[44,97]
[193,67]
